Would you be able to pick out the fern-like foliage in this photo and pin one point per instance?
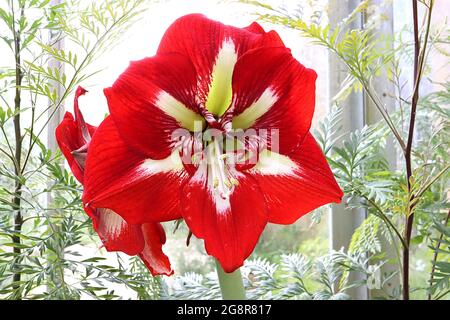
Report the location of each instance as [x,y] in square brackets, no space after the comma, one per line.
[327,131]
[193,286]
[440,273]
[366,236]
[293,277]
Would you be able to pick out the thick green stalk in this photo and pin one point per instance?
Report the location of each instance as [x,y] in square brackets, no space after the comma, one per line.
[231,284]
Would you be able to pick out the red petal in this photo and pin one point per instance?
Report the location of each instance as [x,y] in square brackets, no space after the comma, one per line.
[311,185]
[118,235]
[270,39]
[289,83]
[231,235]
[133,239]
[83,130]
[133,97]
[67,136]
[255,27]
[123,180]
[152,255]
[200,39]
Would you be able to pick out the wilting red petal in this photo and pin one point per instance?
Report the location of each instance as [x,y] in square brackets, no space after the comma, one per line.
[281,96]
[116,234]
[230,232]
[141,115]
[82,126]
[68,138]
[121,179]
[290,194]
[133,239]
[152,255]
[200,39]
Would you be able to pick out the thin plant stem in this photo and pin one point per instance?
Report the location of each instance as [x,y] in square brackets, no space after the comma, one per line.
[383,217]
[443,295]
[11,151]
[431,181]
[419,56]
[18,219]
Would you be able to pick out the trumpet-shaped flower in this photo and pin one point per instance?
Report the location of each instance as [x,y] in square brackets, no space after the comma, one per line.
[213,129]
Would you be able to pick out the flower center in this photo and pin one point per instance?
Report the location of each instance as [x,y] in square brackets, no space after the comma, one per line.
[221,173]
[219,151]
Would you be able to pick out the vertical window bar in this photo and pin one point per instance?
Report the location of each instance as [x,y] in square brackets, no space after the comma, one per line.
[343,221]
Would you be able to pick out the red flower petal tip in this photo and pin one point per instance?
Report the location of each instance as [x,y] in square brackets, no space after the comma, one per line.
[80,91]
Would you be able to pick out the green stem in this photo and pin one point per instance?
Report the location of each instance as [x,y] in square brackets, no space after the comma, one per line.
[231,284]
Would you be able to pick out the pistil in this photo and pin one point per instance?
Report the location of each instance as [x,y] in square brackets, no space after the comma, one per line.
[222,179]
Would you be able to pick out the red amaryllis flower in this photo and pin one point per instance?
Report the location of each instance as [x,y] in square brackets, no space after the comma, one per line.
[188,137]
[74,136]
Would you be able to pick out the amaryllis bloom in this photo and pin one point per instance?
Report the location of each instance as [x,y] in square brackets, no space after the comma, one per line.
[213,129]
[74,136]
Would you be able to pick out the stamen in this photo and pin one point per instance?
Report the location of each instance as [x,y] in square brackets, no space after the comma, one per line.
[221,178]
